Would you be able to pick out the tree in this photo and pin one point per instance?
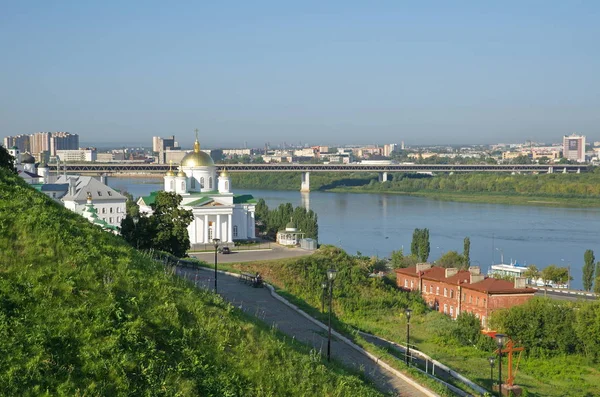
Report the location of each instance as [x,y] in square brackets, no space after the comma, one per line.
[414,244]
[467,251]
[6,160]
[420,247]
[451,259]
[169,223]
[548,274]
[532,273]
[597,281]
[588,270]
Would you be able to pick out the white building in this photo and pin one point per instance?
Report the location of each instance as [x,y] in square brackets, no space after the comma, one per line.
[25,166]
[574,147]
[109,204]
[77,155]
[290,235]
[236,152]
[218,213]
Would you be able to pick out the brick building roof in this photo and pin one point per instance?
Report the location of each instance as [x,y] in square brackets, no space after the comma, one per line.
[494,286]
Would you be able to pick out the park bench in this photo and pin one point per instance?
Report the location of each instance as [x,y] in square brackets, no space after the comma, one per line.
[252,279]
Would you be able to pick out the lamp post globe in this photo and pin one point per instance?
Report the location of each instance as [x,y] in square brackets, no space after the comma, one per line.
[407,312]
[323,292]
[500,341]
[216,242]
[331,274]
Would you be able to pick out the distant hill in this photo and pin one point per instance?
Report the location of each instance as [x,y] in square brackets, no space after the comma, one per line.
[82,313]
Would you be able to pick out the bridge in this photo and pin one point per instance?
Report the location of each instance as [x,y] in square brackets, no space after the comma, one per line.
[306,169]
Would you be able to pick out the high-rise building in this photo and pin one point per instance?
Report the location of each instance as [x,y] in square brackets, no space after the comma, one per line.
[63,141]
[161,145]
[40,142]
[21,141]
[574,147]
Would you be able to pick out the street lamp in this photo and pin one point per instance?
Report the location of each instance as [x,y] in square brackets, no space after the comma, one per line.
[216,242]
[331,273]
[324,287]
[492,359]
[408,312]
[500,340]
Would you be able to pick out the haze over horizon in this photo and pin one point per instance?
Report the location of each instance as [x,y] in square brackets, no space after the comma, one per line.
[426,73]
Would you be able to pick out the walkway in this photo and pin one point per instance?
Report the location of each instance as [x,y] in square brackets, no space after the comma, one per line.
[260,303]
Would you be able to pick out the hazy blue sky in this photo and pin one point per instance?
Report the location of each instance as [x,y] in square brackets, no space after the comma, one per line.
[313,71]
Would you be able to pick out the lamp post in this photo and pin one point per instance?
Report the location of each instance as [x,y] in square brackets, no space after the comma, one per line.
[408,312]
[216,242]
[324,287]
[500,339]
[492,359]
[331,273]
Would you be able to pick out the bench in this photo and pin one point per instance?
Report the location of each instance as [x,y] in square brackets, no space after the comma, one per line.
[252,279]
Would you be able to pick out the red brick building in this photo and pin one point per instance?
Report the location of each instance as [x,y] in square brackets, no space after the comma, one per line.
[452,291]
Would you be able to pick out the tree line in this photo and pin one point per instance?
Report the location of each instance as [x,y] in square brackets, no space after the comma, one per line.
[269,222]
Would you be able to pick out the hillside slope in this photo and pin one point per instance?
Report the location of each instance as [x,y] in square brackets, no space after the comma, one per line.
[82,313]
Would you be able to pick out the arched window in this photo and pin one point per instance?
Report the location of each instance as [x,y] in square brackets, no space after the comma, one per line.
[210,182]
[235,231]
[172,185]
[182,186]
[202,182]
[226,185]
[193,183]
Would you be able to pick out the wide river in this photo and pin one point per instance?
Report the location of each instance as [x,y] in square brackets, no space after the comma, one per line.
[377,224]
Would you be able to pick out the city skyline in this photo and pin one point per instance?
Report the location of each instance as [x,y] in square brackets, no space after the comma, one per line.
[338,72]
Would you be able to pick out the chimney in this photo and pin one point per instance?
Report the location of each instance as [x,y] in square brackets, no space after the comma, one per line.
[474,270]
[475,278]
[520,282]
[451,271]
[422,266]
[72,189]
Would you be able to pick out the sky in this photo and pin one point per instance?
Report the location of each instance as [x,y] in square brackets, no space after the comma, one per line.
[317,72]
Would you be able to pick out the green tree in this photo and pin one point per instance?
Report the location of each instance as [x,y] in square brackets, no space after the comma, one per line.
[169,224]
[597,279]
[468,329]
[397,259]
[414,244]
[424,246]
[467,251]
[532,273]
[548,274]
[588,270]
[6,160]
[451,259]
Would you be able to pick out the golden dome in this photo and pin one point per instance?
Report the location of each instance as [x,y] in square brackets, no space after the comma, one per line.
[224,173]
[197,158]
[181,173]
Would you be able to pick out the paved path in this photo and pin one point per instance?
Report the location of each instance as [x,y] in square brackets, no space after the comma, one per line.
[259,303]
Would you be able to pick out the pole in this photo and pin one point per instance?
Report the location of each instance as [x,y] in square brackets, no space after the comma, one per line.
[492,376]
[500,372]
[407,341]
[329,333]
[323,290]
[216,269]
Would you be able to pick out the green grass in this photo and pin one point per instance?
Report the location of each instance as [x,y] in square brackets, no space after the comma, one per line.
[375,309]
[82,313]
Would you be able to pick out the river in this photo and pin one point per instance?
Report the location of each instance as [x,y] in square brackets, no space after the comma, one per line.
[377,224]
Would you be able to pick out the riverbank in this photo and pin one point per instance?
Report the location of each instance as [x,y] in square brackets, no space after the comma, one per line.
[487,198]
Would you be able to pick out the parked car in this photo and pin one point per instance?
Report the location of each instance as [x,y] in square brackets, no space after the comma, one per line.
[225,250]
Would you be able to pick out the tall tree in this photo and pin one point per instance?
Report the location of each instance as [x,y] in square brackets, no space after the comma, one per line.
[532,273]
[424,246]
[467,251]
[588,270]
[6,160]
[170,224]
[414,244]
[597,279]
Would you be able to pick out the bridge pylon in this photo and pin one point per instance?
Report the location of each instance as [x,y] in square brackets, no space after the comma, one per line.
[305,182]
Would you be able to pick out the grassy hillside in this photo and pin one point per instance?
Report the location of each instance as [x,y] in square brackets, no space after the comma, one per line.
[81,313]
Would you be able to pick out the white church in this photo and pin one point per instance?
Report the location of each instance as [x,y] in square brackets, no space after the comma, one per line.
[218,213]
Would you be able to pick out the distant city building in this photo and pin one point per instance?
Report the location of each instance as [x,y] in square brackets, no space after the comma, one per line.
[88,154]
[105,157]
[162,145]
[63,141]
[236,152]
[22,142]
[43,142]
[388,149]
[574,147]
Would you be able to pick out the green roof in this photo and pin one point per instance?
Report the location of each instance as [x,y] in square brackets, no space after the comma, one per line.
[201,200]
[244,199]
[150,199]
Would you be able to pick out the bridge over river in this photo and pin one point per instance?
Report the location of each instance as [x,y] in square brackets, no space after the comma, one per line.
[306,169]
